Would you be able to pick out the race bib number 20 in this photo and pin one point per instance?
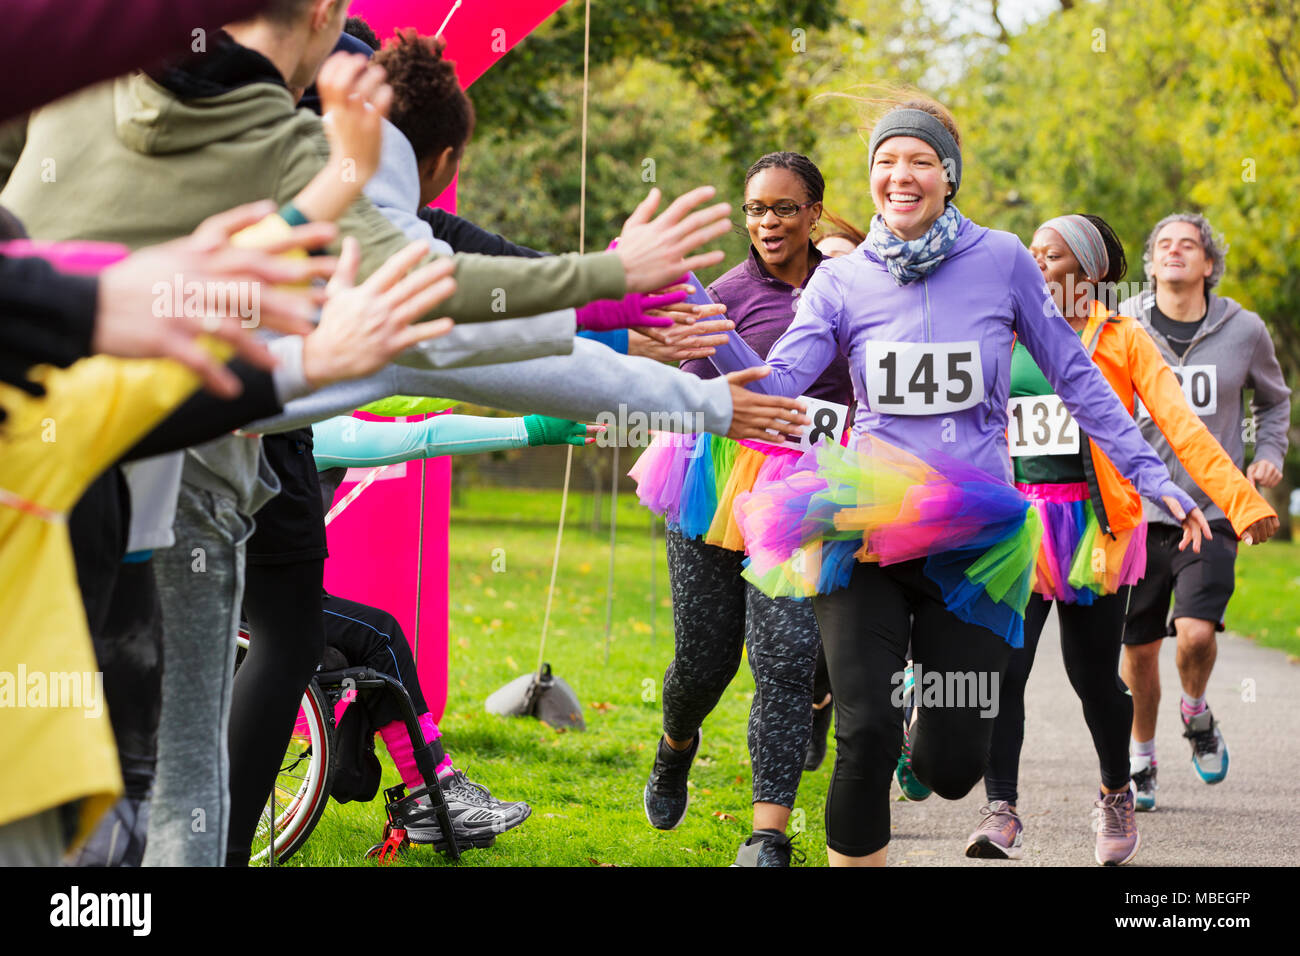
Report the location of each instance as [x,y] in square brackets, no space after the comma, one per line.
[1200,387]
[923,378]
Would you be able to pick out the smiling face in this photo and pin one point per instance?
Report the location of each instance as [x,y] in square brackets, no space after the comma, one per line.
[1178,258]
[1058,264]
[780,241]
[908,186]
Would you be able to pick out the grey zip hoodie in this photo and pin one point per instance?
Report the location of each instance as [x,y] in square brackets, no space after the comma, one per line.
[1231,352]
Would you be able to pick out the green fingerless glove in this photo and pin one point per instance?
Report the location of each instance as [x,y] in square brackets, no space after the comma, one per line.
[544,430]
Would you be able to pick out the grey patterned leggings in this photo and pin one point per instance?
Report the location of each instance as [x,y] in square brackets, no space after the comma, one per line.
[716,613]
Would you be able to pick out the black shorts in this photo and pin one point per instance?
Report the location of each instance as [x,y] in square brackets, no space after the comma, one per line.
[291,526]
[1201,584]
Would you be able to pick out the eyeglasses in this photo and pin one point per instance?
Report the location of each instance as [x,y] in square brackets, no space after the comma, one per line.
[786,208]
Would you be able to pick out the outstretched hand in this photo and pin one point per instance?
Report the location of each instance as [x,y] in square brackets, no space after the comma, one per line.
[757,416]
[654,252]
[129,290]
[364,326]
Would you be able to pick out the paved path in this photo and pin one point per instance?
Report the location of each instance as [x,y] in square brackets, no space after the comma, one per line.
[1252,818]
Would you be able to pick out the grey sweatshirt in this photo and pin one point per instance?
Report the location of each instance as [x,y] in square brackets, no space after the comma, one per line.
[1232,352]
[592,382]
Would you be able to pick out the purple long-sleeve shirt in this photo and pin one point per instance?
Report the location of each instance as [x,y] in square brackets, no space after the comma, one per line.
[930,360]
[763,306]
[53,47]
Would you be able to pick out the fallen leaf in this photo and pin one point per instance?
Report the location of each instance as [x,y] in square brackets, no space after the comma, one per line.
[723,816]
[510,663]
[602,705]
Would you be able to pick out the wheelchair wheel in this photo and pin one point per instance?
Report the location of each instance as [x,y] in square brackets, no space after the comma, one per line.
[302,786]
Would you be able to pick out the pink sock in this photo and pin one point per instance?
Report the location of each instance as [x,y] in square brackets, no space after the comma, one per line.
[1193,706]
[398,742]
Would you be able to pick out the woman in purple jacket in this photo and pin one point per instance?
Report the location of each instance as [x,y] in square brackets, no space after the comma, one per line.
[915,533]
[693,484]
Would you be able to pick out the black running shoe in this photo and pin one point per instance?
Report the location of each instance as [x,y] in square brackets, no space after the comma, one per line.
[768,848]
[666,798]
[817,742]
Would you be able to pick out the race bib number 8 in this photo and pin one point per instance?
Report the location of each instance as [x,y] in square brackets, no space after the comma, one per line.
[1041,425]
[828,422]
[1200,387]
[923,378]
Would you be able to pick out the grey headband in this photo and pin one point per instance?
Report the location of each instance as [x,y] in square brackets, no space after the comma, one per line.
[926,128]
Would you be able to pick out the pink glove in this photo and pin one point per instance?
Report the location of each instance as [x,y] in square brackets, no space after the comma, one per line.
[606,314]
[79,257]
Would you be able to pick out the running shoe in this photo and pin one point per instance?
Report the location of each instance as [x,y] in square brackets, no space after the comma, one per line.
[1209,750]
[999,835]
[913,789]
[666,798]
[1117,833]
[821,725]
[1144,785]
[768,848]
[476,819]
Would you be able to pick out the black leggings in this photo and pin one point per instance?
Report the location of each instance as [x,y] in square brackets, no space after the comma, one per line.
[371,637]
[866,628]
[715,614]
[283,605]
[1090,643]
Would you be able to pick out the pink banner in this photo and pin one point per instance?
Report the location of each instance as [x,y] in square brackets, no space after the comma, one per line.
[389,548]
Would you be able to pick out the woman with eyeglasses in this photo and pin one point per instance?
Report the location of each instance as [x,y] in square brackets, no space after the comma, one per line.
[692,481]
[914,533]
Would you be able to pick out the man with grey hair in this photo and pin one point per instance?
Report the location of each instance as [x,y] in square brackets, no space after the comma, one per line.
[1218,350]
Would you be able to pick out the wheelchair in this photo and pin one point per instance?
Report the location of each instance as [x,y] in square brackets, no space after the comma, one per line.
[302,786]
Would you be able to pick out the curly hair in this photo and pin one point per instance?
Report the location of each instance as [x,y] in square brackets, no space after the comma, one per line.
[429,106]
[359,28]
[1215,246]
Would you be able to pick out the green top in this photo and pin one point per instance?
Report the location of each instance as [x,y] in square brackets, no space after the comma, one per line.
[1028,380]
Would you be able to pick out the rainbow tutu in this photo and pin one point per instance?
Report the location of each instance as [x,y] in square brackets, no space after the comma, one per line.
[875,502]
[1078,562]
[693,481]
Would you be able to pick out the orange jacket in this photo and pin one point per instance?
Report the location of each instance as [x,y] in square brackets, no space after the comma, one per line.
[1134,366]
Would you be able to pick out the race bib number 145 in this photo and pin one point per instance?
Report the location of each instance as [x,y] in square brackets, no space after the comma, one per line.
[923,378]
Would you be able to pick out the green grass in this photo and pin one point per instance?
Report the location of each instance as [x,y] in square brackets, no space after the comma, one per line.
[1266,605]
[585,788]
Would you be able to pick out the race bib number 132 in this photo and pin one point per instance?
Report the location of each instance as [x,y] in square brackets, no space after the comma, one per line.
[923,378]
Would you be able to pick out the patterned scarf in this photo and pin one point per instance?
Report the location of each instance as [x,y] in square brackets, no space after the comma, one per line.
[912,259]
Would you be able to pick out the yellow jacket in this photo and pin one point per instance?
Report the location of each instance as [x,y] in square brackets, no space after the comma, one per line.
[51,448]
